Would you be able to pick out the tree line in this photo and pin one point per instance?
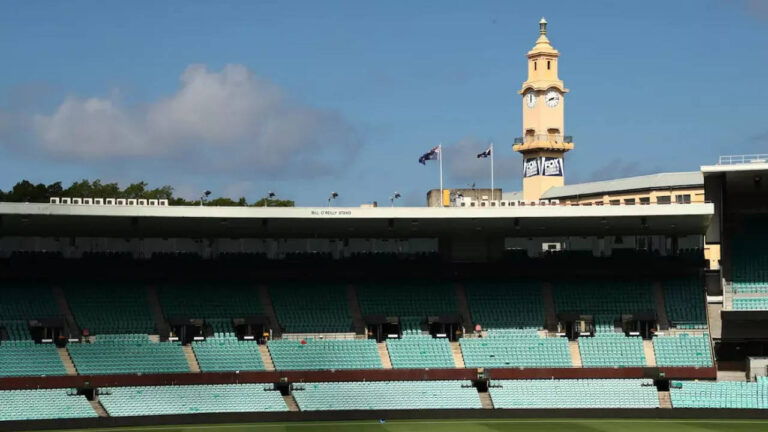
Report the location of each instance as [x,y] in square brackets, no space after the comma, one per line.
[26,191]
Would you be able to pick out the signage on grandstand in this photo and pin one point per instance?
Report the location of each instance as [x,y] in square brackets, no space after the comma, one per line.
[330,213]
[543,166]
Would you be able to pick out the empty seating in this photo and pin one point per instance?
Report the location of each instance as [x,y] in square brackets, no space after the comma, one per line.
[605,300]
[577,393]
[21,302]
[407,299]
[386,395]
[217,303]
[685,303]
[26,358]
[497,305]
[311,308]
[749,262]
[126,354]
[43,404]
[682,350]
[225,352]
[750,303]
[191,399]
[315,354]
[503,350]
[110,307]
[722,394]
[422,351]
[611,350]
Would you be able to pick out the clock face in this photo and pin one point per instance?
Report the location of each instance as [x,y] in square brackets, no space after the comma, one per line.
[530,99]
[553,98]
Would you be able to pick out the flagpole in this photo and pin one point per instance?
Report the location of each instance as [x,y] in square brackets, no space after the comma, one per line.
[492,152]
[440,156]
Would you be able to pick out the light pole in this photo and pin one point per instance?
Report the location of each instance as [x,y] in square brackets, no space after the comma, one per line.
[204,197]
[270,195]
[333,196]
[394,197]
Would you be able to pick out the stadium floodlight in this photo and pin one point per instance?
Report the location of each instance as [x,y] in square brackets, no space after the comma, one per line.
[204,196]
[270,195]
[394,197]
[333,196]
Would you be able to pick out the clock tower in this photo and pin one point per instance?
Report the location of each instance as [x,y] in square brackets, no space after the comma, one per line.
[543,144]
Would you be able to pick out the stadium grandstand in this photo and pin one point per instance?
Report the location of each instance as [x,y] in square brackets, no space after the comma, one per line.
[118,313]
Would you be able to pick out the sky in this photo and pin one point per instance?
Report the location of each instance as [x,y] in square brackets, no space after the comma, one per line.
[305,98]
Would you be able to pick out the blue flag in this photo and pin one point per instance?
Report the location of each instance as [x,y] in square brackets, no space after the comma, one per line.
[433,154]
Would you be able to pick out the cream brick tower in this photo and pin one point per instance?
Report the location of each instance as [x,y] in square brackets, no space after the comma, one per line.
[543,144]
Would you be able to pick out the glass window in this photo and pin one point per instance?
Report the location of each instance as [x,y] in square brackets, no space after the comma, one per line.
[683,199]
[666,199]
[615,202]
[629,201]
[645,200]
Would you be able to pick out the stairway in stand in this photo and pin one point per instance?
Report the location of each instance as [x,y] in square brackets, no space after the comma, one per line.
[573,347]
[65,311]
[290,402]
[194,366]
[266,358]
[354,310]
[266,304]
[386,363]
[99,408]
[664,400]
[463,304]
[458,357]
[157,310]
[549,306]
[650,354]
[69,366]
[485,400]
[661,305]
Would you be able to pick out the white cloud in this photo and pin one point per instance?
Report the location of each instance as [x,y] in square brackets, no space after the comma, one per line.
[216,121]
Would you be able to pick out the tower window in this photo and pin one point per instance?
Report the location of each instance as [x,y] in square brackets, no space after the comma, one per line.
[547,64]
[534,65]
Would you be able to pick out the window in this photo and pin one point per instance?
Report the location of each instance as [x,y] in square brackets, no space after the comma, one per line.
[586,204]
[666,199]
[547,64]
[683,199]
[534,65]
[598,203]
[645,200]
[615,202]
[629,201]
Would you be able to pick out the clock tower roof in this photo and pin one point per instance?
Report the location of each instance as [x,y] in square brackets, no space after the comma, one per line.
[542,46]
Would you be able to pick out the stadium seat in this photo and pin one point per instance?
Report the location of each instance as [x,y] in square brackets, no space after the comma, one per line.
[190,399]
[515,349]
[127,354]
[224,352]
[407,299]
[106,308]
[317,354]
[685,303]
[577,393]
[606,301]
[311,308]
[43,404]
[21,302]
[508,305]
[26,358]
[722,394]
[683,350]
[611,350]
[386,395]
[420,351]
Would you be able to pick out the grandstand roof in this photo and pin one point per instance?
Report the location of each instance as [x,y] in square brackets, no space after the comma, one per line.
[646,182]
[337,222]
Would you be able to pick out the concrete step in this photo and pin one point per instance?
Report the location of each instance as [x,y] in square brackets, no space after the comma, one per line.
[485,400]
[664,400]
[462,302]
[269,310]
[650,354]
[714,320]
[354,310]
[266,358]
[69,366]
[458,357]
[573,347]
[65,311]
[386,363]
[290,402]
[549,306]
[661,306]
[99,408]
[189,353]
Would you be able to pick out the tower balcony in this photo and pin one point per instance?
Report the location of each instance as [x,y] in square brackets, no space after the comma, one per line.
[536,142]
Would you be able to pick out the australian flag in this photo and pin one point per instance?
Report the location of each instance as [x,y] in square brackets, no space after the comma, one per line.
[485,154]
[433,154]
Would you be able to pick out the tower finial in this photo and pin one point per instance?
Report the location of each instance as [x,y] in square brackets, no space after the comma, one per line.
[543,26]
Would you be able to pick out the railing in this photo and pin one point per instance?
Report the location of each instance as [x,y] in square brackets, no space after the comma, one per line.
[528,139]
[740,159]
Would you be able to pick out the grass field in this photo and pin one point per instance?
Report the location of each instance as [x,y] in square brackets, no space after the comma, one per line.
[512,425]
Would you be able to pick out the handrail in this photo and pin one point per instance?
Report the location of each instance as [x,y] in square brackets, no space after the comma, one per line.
[740,159]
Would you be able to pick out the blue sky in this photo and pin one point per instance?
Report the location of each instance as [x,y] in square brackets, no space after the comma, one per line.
[306,98]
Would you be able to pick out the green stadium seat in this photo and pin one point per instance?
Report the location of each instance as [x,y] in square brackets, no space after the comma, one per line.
[43,404]
[508,305]
[611,350]
[311,308]
[574,393]
[224,352]
[722,394]
[318,354]
[420,351]
[525,348]
[110,308]
[127,354]
[685,303]
[683,350]
[26,358]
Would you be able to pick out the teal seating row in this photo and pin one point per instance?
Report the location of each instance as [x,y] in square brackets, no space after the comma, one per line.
[612,350]
[43,404]
[22,302]
[26,358]
[110,307]
[749,262]
[685,303]
[606,301]
[191,399]
[711,394]
[407,299]
[683,350]
[385,395]
[217,303]
[318,354]
[417,352]
[750,303]
[311,308]
[504,305]
[502,350]
[224,352]
[127,354]
[576,393]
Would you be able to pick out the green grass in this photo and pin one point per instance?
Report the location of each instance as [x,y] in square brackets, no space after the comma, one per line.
[500,425]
